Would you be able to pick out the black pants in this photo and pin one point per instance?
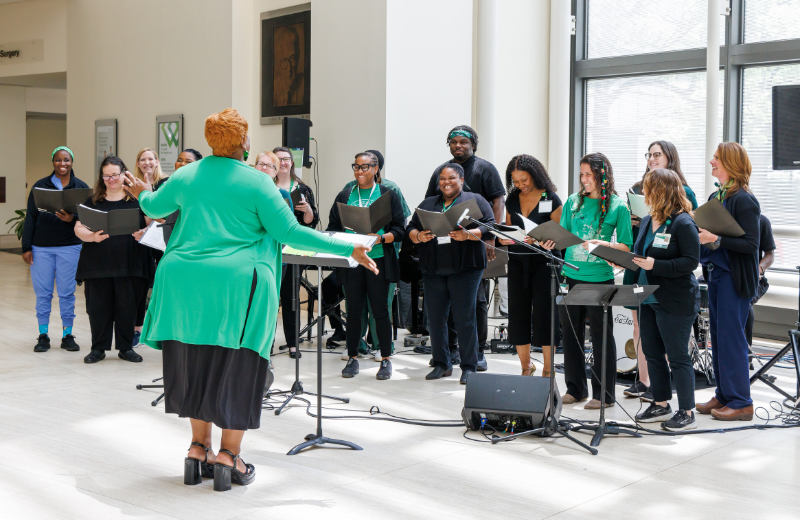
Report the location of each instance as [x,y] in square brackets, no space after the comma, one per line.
[572,322]
[360,284]
[287,311]
[141,310]
[331,293]
[529,303]
[111,304]
[481,318]
[666,334]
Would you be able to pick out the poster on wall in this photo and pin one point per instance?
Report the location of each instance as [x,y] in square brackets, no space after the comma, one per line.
[105,140]
[285,64]
[169,141]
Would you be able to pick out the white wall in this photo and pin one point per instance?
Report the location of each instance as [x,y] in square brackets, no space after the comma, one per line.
[133,61]
[428,87]
[12,150]
[48,100]
[42,137]
[33,20]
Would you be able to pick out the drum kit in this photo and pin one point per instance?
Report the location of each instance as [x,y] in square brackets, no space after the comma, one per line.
[699,340]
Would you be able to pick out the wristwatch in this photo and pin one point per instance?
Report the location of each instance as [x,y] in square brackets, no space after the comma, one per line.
[381,239]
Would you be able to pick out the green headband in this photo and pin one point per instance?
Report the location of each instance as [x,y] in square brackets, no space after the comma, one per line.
[463,133]
[53,156]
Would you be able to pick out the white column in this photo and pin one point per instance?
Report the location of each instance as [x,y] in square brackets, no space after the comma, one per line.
[560,46]
[487,79]
[712,88]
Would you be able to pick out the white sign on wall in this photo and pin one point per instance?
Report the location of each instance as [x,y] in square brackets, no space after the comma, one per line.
[21,52]
[169,141]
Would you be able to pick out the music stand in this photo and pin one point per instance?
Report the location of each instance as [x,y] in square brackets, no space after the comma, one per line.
[316,439]
[297,386]
[603,295]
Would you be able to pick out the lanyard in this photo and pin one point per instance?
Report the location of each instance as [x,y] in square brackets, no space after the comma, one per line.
[291,186]
[445,208]
[361,202]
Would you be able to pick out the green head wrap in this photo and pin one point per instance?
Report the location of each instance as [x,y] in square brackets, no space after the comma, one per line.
[462,133]
[53,156]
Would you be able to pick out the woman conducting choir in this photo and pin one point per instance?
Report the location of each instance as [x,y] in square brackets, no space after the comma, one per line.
[215,286]
[730,268]
[660,154]
[452,267]
[359,284]
[594,214]
[669,242]
[532,195]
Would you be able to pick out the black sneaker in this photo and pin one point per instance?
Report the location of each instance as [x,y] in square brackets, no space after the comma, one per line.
[647,396]
[136,336]
[130,355]
[464,376]
[94,356]
[636,389]
[338,337]
[43,344]
[483,366]
[68,343]
[351,369]
[385,372]
[455,356]
[679,422]
[655,413]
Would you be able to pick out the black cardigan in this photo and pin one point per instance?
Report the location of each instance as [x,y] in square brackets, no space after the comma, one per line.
[396,227]
[44,229]
[743,251]
[673,269]
[469,254]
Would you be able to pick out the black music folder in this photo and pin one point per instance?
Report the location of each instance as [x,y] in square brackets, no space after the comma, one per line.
[621,258]
[57,200]
[441,224]
[297,196]
[712,216]
[550,230]
[497,268]
[116,222]
[366,220]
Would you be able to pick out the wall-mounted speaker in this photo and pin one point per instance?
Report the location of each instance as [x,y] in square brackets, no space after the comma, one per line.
[786,127]
[295,133]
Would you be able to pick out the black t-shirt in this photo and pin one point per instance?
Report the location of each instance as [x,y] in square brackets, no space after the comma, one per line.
[767,242]
[118,256]
[480,176]
[514,209]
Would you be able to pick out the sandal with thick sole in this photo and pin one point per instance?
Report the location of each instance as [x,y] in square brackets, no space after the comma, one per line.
[194,470]
[224,475]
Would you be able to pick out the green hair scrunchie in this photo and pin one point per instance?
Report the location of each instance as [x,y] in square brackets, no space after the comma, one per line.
[53,156]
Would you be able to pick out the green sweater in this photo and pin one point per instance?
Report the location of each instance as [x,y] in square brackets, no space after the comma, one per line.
[232,222]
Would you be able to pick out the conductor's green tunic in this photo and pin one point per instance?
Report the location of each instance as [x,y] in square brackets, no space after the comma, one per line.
[232,221]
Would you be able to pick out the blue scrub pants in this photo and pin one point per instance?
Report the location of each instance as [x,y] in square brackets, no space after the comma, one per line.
[727,318]
[55,264]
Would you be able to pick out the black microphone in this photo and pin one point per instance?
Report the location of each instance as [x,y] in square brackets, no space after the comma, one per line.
[462,217]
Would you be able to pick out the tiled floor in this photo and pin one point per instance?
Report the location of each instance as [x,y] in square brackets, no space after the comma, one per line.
[79,441]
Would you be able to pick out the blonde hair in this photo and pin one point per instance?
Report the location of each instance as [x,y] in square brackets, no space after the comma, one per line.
[275,163]
[735,161]
[157,173]
[225,132]
[665,194]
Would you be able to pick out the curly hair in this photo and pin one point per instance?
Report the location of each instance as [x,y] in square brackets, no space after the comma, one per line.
[734,159]
[604,178]
[472,133]
[225,132]
[664,193]
[534,168]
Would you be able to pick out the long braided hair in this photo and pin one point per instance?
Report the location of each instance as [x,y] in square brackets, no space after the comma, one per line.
[534,168]
[604,178]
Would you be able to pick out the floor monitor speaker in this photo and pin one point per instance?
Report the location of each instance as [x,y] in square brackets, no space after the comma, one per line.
[295,133]
[508,403]
[786,127]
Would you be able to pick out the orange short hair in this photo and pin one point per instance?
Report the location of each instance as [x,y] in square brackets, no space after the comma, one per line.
[225,132]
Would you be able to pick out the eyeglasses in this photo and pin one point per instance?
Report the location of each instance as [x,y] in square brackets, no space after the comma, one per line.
[266,165]
[653,155]
[363,167]
[111,177]
[285,159]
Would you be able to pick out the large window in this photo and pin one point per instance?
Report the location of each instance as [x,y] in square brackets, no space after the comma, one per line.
[624,115]
[770,20]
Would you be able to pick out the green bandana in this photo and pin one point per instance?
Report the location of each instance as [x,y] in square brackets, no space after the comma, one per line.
[462,133]
[53,156]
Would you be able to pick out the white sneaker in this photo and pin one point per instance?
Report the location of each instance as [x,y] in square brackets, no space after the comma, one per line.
[345,355]
[376,354]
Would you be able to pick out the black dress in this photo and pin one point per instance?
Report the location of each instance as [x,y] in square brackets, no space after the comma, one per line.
[529,280]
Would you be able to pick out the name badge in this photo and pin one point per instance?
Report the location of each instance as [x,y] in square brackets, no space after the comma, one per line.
[442,240]
[661,240]
[563,288]
[545,206]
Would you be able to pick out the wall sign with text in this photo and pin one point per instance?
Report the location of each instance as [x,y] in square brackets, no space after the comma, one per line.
[169,141]
[105,141]
[21,52]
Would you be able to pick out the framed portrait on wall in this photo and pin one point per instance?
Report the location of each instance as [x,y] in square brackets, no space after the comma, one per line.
[169,141]
[285,64]
[105,140]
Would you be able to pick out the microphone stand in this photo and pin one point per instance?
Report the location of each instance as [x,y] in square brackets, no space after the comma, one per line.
[551,425]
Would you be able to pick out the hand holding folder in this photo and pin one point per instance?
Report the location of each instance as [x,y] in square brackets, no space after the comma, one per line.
[712,216]
[54,201]
[441,224]
[615,256]
[112,223]
[550,230]
[367,220]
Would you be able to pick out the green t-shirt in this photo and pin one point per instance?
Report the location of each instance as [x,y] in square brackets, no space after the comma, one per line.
[365,198]
[583,222]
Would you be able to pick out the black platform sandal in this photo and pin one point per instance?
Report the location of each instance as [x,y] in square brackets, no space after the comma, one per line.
[194,470]
[224,475]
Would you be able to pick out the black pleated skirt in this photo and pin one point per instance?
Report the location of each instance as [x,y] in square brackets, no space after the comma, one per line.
[214,384]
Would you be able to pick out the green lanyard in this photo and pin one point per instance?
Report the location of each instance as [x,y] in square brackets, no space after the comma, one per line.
[445,208]
[291,186]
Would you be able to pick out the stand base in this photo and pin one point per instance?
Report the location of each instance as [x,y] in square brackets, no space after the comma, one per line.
[609,428]
[296,391]
[319,440]
[551,428]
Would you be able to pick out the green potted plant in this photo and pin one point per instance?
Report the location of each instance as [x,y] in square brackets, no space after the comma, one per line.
[17,223]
